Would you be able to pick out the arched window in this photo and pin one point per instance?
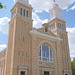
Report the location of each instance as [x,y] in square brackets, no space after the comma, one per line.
[45,53]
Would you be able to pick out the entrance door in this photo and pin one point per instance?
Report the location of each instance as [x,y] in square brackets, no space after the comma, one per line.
[22,72]
[66,74]
[46,73]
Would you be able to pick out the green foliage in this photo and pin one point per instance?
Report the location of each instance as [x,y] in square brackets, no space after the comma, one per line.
[1,6]
[73,67]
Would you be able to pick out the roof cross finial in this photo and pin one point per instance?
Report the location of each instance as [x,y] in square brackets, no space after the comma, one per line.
[54,0]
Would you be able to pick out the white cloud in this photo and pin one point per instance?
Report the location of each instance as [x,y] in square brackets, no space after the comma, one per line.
[72,55]
[40,5]
[4,24]
[37,21]
[71,36]
[72,8]
[3,46]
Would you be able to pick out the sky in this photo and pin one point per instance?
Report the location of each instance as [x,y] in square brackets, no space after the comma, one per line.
[40,15]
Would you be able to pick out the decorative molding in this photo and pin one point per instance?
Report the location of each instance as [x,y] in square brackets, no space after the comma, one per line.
[44,35]
[20,69]
[24,16]
[66,71]
[23,67]
[60,29]
[21,16]
[57,18]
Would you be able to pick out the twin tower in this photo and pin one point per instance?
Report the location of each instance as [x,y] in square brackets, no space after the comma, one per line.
[32,51]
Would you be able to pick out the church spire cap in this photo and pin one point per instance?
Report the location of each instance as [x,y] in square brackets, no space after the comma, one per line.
[55,4]
[54,0]
[55,11]
[24,2]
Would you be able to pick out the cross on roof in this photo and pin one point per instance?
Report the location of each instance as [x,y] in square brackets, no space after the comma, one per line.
[54,0]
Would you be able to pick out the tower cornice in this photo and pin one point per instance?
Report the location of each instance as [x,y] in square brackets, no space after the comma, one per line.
[29,6]
[57,19]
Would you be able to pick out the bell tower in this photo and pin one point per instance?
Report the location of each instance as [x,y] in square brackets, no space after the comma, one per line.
[18,46]
[55,12]
[58,25]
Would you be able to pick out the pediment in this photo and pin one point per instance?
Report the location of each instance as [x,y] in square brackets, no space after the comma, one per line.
[41,30]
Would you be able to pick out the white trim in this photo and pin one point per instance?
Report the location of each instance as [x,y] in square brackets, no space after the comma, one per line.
[66,70]
[23,67]
[24,16]
[45,35]
[23,70]
[57,18]
[21,16]
[60,29]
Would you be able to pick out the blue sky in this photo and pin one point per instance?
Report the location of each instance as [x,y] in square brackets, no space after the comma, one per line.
[40,16]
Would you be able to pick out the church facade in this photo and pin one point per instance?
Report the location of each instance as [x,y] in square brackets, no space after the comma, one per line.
[31,51]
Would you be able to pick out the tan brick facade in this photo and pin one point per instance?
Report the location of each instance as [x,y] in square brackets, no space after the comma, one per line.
[22,54]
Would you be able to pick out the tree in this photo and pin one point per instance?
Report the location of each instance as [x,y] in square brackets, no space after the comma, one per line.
[1,6]
[73,66]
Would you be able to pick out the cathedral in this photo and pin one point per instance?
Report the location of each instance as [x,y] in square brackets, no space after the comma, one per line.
[31,51]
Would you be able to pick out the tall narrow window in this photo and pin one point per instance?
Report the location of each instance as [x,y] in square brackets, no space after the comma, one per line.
[24,12]
[27,13]
[51,56]
[40,53]
[24,24]
[46,29]
[23,38]
[58,25]
[26,54]
[20,11]
[23,54]
[62,26]
[53,25]
[19,53]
